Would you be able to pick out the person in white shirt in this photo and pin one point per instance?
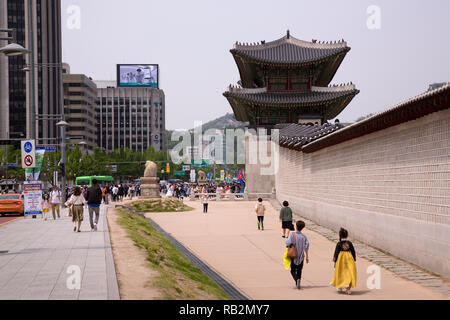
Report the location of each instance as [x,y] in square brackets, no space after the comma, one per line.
[55,197]
[77,201]
[205,202]
[115,190]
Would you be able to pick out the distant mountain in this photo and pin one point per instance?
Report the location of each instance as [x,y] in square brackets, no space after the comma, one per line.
[221,123]
[224,122]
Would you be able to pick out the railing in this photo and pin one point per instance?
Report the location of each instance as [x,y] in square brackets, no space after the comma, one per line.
[230,196]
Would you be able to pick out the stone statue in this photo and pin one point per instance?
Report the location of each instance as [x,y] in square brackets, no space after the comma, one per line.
[150,169]
[150,182]
[201,178]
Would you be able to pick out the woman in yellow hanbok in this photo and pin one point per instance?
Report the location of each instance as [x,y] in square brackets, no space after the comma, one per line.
[345,266]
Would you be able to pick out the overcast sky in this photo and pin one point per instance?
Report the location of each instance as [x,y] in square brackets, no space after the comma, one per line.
[190,40]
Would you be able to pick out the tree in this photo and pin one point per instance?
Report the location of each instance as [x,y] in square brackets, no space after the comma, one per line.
[364,117]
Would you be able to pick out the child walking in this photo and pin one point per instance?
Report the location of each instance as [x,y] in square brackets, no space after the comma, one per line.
[260,210]
[46,205]
[300,242]
[345,266]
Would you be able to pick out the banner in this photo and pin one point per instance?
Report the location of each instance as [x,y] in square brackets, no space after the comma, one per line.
[33,174]
[32,198]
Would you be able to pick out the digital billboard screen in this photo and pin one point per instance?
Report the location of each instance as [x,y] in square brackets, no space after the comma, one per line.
[137,75]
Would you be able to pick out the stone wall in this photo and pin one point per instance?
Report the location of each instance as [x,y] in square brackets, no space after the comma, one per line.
[389,189]
[259,170]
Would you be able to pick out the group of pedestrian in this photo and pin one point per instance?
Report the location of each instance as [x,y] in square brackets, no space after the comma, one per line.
[52,200]
[77,202]
[297,250]
[119,192]
[176,190]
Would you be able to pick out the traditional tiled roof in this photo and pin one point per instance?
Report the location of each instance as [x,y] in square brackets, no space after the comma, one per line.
[316,95]
[416,107]
[294,136]
[289,50]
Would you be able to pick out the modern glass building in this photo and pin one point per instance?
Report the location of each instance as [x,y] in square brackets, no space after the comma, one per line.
[44,38]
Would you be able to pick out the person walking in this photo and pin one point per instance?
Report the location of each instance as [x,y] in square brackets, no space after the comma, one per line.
[105,195]
[260,210]
[55,197]
[94,200]
[205,202]
[121,192]
[286,219]
[115,190]
[46,205]
[77,202]
[344,264]
[300,242]
[138,191]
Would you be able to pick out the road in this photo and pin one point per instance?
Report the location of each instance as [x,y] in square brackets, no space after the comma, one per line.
[9,218]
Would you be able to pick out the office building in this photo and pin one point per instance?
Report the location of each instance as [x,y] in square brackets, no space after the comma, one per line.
[130,117]
[44,39]
[80,108]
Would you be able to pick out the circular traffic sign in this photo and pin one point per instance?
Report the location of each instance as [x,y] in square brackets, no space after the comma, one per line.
[28,160]
[28,147]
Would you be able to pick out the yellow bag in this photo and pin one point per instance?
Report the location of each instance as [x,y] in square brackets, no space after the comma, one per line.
[286,260]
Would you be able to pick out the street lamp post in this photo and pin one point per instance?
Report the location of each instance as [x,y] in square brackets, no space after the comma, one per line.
[83,146]
[12,49]
[63,124]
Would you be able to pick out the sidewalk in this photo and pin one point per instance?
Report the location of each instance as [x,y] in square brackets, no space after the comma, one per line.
[227,239]
[40,253]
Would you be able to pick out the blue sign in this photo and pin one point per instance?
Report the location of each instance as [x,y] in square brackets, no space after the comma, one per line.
[28,147]
[47,148]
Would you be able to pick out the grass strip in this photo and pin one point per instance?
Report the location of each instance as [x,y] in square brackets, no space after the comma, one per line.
[178,278]
[166,205]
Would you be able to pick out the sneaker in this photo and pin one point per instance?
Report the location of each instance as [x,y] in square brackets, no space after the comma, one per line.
[95,227]
[298,284]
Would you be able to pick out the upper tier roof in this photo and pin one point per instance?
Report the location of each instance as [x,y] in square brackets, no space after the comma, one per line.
[316,95]
[289,50]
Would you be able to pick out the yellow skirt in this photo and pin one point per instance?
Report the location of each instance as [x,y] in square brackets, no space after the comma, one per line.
[344,271]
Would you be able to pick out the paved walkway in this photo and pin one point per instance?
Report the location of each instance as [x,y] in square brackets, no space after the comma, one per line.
[40,253]
[228,240]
